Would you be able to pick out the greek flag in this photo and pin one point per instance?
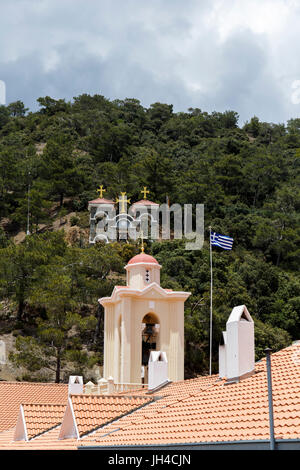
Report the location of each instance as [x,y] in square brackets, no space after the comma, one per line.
[221,240]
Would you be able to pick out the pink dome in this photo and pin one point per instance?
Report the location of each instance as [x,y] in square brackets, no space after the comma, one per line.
[142,258]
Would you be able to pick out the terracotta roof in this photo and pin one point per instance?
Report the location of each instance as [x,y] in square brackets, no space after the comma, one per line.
[203,409]
[101,201]
[40,418]
[46,441]
[142,258]
[220,412]
[93,411]
[164,397]
[13,394]
[145,202]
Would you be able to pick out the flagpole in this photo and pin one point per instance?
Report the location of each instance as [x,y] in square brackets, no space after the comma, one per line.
[211,291]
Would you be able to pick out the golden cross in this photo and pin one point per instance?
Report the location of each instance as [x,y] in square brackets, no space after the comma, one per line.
[101,191]
[142,243]
[123,200]
[145,191]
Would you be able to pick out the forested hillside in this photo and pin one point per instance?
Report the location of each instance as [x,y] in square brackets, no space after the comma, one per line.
[247,177]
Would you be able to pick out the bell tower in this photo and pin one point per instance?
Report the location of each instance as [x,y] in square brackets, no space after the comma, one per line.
[142,317]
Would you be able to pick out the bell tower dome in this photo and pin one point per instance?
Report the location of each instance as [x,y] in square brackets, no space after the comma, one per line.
[142,270]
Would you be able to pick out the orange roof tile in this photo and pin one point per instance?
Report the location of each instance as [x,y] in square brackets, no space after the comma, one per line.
[197,410]
[93,411]
[12,394]
[218,412]
[40,418]
[48,440]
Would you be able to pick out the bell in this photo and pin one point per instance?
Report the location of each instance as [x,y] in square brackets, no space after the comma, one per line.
[149,329]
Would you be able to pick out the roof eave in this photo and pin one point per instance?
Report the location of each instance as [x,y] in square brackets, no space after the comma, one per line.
[118,293]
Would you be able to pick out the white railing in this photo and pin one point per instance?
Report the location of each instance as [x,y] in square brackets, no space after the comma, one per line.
[128,386]
[108,387]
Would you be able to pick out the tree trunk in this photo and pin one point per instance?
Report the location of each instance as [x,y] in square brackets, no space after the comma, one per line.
[278,259]
[57,378]
[61,200]
[20,310]
[99,322]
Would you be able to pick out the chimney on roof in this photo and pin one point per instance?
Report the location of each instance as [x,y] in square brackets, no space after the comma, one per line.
[236,351]
[75,385]
[222,355]
[157,370]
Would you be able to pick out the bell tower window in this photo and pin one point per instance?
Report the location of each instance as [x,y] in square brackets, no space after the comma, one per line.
[147,275]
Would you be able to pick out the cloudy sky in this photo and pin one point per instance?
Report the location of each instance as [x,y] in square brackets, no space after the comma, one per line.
[211,54]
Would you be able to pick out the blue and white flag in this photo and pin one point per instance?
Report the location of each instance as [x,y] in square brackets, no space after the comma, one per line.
[221,240]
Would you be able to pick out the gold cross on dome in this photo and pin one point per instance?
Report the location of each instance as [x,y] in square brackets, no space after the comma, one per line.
[142,241]
[145,191]
[123,200]
[101,191]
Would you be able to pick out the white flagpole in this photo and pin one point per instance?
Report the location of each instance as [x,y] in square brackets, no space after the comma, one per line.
[211,291]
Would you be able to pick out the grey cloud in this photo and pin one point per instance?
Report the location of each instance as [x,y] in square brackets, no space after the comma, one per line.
[245,80]
[163,50]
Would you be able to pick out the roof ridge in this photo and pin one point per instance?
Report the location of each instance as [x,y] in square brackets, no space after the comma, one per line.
[281,351]
[187,396]
[92,395]
[42,404]
[32,383]
[194,379]
[43,432]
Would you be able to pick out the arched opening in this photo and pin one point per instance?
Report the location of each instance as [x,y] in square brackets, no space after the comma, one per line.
[150,341]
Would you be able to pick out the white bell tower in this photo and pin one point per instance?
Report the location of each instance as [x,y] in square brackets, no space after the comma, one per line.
[142,317]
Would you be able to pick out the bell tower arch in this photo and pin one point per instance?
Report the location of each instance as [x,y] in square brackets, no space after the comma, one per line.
[150,340]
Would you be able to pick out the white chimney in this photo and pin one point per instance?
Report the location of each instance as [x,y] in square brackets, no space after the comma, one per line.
[222,355]
[157,369]
[75,385]
[237,359]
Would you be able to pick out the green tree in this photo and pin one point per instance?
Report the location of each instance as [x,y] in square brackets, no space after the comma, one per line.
[51,106]
[58,168]
[17,109]
[38,209]
[20,266]
[158,114]
[253,127]
[58,335]
[4,116]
